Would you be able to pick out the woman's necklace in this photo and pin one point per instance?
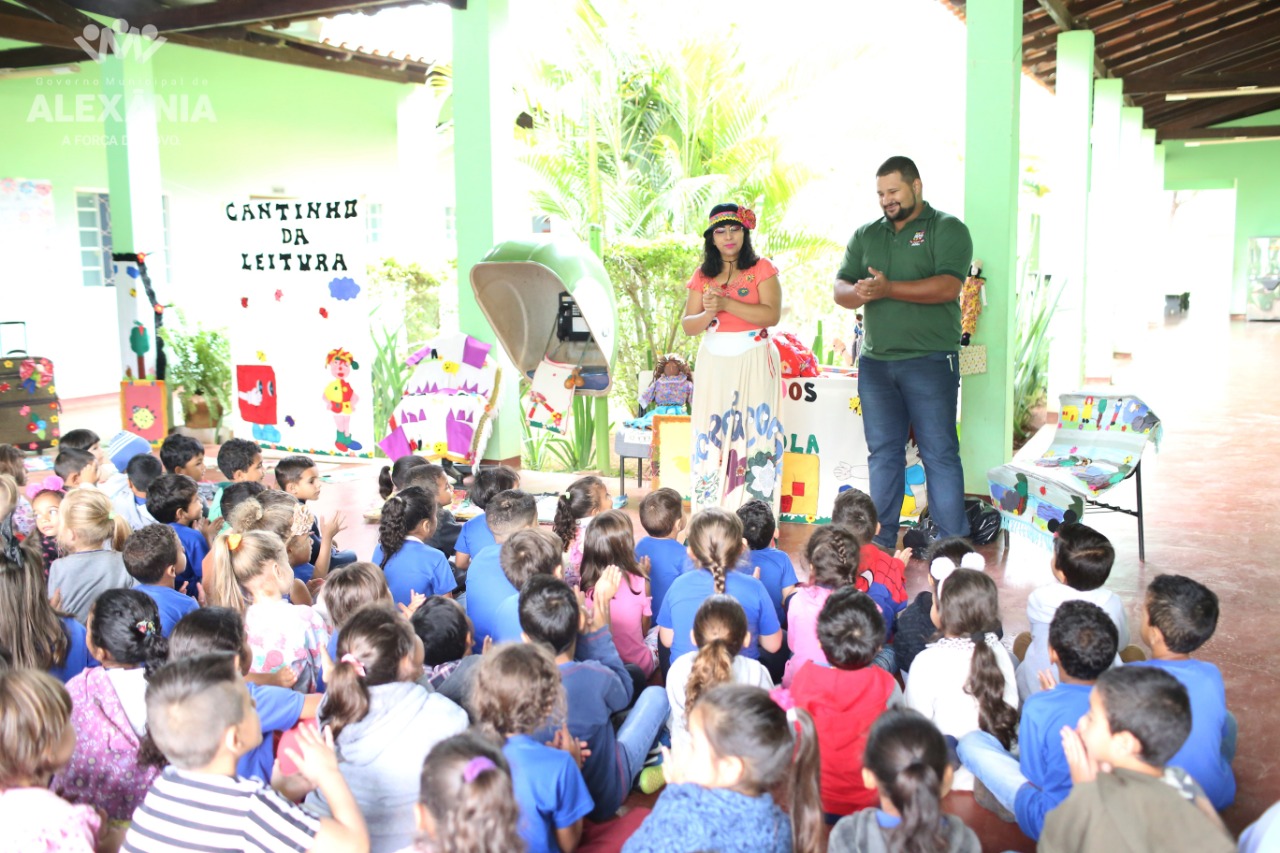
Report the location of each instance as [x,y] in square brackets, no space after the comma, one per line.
[730,268]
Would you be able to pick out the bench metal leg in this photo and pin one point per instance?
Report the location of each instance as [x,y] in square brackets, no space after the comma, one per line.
[1142,541]
[622,475]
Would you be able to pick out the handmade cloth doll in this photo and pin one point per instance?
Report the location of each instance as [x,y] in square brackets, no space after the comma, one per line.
[669,393]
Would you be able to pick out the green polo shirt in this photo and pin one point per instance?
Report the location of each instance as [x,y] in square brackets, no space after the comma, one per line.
[934,243]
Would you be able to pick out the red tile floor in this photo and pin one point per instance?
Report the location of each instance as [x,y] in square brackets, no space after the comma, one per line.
[1206,517]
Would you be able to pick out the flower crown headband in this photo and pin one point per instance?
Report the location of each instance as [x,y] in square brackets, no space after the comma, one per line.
[741,215]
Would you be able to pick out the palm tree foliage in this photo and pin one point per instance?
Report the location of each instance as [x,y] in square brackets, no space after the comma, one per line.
[640,140]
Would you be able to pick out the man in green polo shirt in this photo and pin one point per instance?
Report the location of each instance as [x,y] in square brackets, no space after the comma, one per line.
[905,271]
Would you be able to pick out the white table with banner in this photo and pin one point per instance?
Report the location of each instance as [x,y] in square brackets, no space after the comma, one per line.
[826,451]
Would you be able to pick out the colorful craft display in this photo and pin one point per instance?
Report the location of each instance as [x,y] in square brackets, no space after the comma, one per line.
[300,341]
[1097,444]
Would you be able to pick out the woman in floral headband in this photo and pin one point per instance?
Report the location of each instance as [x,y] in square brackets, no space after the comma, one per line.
[734,297]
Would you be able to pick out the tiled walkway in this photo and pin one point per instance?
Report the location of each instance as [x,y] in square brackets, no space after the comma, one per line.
[1211,504]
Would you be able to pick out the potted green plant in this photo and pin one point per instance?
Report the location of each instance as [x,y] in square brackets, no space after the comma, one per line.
[199,366]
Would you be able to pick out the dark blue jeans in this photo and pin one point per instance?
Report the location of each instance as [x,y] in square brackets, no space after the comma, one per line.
[920,394]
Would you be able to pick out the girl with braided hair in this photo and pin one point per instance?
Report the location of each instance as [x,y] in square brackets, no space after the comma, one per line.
[720,630]
[411,565]
[833,558]
[717,549]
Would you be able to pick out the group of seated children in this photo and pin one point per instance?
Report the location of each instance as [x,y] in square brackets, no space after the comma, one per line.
[233,680]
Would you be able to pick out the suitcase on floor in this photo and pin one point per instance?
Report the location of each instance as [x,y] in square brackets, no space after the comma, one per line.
[29,407]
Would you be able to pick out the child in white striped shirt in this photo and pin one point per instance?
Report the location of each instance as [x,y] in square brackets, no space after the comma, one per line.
[202,718]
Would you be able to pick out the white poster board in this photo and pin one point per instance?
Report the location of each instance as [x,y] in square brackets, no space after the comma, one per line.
[826,450]
[301,350]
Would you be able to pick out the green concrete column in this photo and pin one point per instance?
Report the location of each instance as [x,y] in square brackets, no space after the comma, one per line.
[133,184]
[486,207]
[1106,248]
[1153,256]
[994,48]
[1128,317]
[1068,228]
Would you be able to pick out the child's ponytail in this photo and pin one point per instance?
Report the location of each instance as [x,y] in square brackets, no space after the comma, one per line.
[91,517]
[126,623]
[394,477]
[778,749]
[385,486]
[238,558]
[908,756]
[719,631]
[808,832]
[577,501]
[969,608]
[371,646]
[401,514]
[466,786]
[715,537]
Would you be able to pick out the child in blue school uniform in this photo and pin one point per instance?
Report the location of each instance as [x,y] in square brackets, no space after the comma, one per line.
[410,564]
[1082,644]
[153,556]
[488,589]
[475,535]
[774,569]
[716,547]
[596,683]
[1179,616]
[174,500]
[662,517]
[517,690]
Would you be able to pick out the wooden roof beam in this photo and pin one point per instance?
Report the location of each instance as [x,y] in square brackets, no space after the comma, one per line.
[60,13]
[224,13]
[38,57]
[1222,132]
[1218,111]
[1057,10]
[1185,34]
[23,28]
[290,55]
[1214,50]
[1163,84]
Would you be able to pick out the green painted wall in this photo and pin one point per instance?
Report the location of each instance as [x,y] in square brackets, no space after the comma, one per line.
[237,127]
[1253,169]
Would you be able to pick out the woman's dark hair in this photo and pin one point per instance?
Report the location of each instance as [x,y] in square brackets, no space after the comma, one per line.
[577,501]
[466,786]
[491,480]
[712,263]
[969,604]
[719,631]
[31,631]
[393,477]
[403,512]
[610,541]
[833,554]
[378,640]
[908,756]
[443,626]
[743,722]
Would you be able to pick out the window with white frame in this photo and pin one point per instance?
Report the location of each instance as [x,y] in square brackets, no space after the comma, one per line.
[93,219]
[373,223]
